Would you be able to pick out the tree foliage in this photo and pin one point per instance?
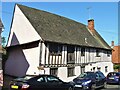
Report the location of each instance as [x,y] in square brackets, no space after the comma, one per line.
[3,41]
[117,66]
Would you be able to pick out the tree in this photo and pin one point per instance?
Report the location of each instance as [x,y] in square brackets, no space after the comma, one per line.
[3,41]
[4,54]
[117,67]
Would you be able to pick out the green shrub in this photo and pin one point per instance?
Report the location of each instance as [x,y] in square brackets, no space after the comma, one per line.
[116,66]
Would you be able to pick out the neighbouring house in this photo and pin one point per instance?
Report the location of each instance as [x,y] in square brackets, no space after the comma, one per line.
[115,54]
[44,43]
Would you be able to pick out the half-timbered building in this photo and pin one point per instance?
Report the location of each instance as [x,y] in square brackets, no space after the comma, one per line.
[44,43]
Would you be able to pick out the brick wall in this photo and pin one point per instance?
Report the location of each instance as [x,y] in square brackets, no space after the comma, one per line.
[116,55]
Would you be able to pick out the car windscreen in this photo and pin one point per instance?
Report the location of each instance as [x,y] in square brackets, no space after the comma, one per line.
[87,75]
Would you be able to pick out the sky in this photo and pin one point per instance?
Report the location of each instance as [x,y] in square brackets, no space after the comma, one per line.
[105,15]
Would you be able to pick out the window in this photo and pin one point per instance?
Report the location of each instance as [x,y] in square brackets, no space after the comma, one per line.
[52,79]
[70,55]
[94,69]
[100,74]
[106,68]
[97,53]
[71,71]
[41,79]
[54,71]
[98,68]
[82,51]
[55,49]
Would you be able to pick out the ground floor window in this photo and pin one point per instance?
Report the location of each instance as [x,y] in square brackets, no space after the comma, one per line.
[106,68]
[82,69]
[71,71]
[98,68]
[54,71]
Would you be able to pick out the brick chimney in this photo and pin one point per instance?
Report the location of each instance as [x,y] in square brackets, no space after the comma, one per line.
[112,43]
[91,25]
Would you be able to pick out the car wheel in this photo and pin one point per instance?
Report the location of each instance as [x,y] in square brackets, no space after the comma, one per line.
[93,87]
[105,85]
[70,88]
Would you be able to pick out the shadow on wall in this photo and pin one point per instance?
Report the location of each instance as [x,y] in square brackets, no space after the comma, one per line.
[16,64]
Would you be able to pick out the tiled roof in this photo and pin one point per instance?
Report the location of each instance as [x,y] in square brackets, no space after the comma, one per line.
[55,28]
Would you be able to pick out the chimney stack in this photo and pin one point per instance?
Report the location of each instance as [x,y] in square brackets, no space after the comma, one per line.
[112,43]
[91,25]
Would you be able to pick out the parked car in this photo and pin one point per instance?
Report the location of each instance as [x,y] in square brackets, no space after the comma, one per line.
[90,81]
[113,78]
[40,82]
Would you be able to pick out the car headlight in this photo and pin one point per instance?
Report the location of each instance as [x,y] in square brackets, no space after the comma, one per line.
[87,82]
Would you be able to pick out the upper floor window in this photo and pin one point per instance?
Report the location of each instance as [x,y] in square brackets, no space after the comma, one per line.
[97,53]
[70,54]
[82,51]
[55,49]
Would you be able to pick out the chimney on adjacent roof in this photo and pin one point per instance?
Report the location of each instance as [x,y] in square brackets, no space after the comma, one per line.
[91,25]
[112,43]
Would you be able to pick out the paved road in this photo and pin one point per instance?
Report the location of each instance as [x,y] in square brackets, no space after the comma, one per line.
[112,87]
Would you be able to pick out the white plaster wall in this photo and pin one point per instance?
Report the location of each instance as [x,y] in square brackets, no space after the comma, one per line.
[47,54]
[62,73]
[22,28]
[65,54]
[77,70]
[32,56]
[45,71]
[43,53]
[101,65]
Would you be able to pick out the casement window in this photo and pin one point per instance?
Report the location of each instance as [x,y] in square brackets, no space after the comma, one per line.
[82,51]
[106,68]
[97,53]
[93,68]
[70,55]
[55,49]
[98,68]
[54,71]
[71,71]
